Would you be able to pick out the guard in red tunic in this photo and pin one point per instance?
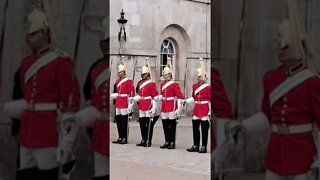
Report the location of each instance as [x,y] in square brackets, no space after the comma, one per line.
[124,103]
[290,105]
[49,86]
[96,114]
[201,95]
[171,97]
[221,108]
[147,92]
[100,136]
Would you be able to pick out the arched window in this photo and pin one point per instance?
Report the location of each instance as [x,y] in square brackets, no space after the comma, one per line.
[167,50]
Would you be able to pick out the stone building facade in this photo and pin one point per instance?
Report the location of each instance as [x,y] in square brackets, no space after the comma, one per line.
[179,29]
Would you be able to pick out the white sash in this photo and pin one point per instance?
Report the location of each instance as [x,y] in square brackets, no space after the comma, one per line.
[41,62]
[200,88]
[167,84]
[289,84]
[122,81]
[103,76]
[144,84]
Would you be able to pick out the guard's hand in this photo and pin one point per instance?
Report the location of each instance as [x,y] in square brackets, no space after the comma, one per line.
[67,121]
[178,112]
[113,95]
[232,127]
[158,98]
[64,150]
[190,100]
[129,109]
[137,98]
[153,111]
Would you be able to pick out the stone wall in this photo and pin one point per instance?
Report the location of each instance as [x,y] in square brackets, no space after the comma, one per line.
[185,22]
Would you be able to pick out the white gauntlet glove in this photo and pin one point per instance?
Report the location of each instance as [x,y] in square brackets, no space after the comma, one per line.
[137,98]
[113,95]
[190,100]
[179,109]
[154,107]
[130,107]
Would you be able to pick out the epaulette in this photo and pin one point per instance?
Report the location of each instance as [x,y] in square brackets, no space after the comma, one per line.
[61,53]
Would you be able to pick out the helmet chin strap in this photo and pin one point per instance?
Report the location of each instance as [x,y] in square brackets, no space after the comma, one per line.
[146,76]
[297,67]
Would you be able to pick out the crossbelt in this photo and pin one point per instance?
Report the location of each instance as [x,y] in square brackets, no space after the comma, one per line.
[293,129]
[201,102]
[167,98]
[42,106]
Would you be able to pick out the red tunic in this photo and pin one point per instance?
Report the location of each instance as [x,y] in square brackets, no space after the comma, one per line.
[147,90]
[172,90]
[100,99]
[220,103]
[125,88]
[201,110]
[291,154]
[52,83]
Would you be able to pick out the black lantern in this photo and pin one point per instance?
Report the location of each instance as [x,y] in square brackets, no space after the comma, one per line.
[122,23]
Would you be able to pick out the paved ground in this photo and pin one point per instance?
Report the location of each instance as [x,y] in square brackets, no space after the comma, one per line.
[139,163]
[129,162]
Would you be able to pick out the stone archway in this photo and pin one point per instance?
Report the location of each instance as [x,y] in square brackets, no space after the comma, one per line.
[178,35]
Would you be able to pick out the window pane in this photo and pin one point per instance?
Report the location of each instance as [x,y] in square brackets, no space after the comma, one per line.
[161,59]
[167,50]
[170,48]
[171,58]
[165,42]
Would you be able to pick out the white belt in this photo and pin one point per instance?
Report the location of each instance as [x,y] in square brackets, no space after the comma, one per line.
[123,95]
[42,106]
[102,116]
[167,98]
[201,102]
[146,97]
[285,129]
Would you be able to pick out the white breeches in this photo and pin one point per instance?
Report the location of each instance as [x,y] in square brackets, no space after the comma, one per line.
[168,115]
[121,111]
